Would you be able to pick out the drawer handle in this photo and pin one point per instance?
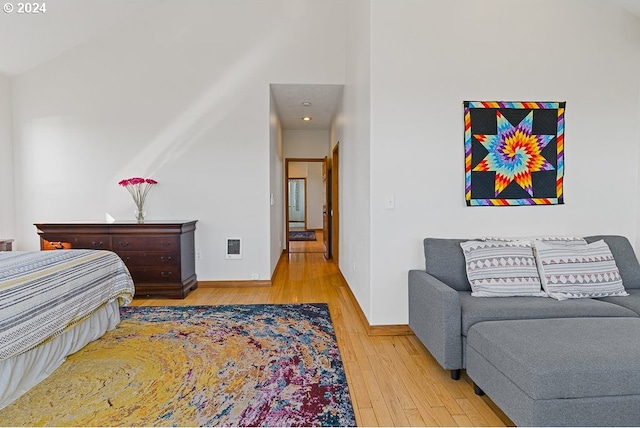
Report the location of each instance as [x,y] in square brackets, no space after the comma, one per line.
[97,244]
[165,259]
[166,274]
[123,243]
[57,245]
[165,244]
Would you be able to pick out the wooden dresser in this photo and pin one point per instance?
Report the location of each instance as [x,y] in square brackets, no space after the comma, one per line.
[159,254]
[5,244]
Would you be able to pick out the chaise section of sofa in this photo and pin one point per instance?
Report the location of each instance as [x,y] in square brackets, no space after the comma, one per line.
[442,310]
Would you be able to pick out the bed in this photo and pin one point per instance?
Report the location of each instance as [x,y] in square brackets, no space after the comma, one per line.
[52,303]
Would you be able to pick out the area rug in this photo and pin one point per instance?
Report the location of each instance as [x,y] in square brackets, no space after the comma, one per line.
[235,365]
[302,235]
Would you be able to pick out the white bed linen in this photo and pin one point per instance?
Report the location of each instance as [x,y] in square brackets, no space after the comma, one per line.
[43,293]
[20,373]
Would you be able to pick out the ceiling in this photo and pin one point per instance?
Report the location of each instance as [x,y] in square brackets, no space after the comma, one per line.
[632,6]
[34,40]
[323,101]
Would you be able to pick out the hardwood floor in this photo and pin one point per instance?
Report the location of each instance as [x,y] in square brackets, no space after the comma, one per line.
[393,380]
[316,246]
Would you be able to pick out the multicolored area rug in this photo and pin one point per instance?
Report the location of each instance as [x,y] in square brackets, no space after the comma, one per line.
[237,365]
[302,235]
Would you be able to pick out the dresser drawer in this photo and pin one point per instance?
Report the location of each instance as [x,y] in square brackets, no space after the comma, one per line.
[91,242]
[149,243]
[159,254]
[155,273]
[149,258]
[54,245]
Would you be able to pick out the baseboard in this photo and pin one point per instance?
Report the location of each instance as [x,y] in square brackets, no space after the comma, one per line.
[390,330]
[237,283]
[245,283]
[375,330]
[283,256]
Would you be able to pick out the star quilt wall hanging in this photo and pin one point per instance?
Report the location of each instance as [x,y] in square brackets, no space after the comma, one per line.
[514,153]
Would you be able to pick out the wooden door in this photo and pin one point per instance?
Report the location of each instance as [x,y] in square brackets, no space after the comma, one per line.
[334,212]
[326,209]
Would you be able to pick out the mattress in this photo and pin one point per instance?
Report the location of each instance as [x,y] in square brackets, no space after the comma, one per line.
[52,303]
[20,373]
[43,293]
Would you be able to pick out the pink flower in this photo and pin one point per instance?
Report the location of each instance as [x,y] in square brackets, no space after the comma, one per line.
[138,187]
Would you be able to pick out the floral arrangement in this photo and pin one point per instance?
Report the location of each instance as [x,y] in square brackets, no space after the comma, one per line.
[138,187]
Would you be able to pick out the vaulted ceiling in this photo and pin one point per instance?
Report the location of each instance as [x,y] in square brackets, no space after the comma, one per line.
[31,40]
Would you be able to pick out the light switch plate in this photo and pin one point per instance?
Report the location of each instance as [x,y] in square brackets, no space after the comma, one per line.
[389,202]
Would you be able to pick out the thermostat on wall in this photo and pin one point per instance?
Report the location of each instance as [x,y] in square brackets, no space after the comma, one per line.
[234,248]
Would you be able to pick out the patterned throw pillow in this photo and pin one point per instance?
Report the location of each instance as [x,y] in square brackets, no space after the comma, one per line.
[578,271]
[566,240]
[501,269]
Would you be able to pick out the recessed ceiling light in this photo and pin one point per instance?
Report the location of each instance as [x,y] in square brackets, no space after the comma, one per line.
[306,118]
[306,103]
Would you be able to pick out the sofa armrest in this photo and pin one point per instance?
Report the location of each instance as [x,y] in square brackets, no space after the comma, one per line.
[435,318]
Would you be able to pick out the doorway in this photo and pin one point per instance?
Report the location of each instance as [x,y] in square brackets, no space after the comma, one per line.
[305,202]
[297,206]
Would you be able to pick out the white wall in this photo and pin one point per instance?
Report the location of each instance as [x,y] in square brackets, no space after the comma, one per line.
[7,221]
[181,95]
[315,195]
[305,144]
[429,56]
[352,129]
[276,183]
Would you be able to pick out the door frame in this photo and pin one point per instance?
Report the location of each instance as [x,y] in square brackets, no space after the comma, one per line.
[306,205]
[335,203]
[286,193]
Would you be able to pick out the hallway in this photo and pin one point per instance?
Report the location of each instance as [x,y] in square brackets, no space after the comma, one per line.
[308,246]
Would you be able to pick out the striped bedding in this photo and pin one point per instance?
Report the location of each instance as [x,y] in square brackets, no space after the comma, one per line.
[43,293]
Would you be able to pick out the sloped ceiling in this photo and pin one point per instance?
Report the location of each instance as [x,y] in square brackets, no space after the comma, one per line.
[29,40]
[632,6]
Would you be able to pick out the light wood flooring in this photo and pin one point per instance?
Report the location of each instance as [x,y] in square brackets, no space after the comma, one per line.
[393,380]
[316,246]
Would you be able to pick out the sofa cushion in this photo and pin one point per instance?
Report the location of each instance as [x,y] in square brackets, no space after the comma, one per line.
[632,301]
[571,272]
[501,268]
[563,358]
[475,310]
[625,258]
[444,260]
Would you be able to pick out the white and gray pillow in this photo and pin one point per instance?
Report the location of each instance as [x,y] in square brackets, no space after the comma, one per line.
[569,272]
[566,240]
[501,268]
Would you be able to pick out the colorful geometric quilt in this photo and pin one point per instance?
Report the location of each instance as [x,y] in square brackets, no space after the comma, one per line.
[514,153]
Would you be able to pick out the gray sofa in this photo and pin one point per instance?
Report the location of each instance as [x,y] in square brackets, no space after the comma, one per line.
[442,314]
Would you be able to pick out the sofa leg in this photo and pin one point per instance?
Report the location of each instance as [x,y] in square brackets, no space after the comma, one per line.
[455,374]
[477,389]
